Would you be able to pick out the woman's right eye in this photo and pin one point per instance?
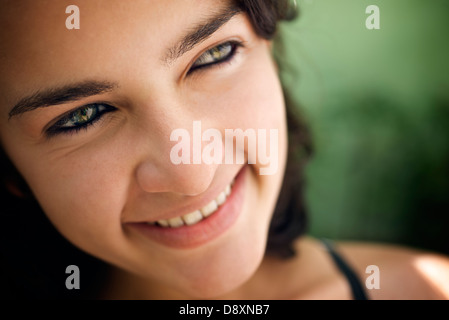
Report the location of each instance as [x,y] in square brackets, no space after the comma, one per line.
[79,119]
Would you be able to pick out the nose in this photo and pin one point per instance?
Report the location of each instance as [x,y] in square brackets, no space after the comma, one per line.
[158,171]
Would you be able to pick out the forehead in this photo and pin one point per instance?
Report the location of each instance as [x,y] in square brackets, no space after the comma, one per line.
[36,45]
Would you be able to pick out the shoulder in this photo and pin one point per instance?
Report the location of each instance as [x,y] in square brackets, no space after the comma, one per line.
[395,272]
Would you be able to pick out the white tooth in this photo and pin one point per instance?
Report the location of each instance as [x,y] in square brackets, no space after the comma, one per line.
[163,223]
[197,215]
[228,190]
[192,217]
[176,222]
[221,198]
[209,208]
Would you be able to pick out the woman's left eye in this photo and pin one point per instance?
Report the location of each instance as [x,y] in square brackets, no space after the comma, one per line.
[80,118]
[219,54]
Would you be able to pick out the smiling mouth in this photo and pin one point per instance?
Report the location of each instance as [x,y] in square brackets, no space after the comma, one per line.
[196,216]
[202,225]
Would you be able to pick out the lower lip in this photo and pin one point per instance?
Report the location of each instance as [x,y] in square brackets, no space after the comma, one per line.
[189,237]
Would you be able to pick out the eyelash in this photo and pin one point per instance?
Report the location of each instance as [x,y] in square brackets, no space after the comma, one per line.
[58,127]
[234,46]
[99,109]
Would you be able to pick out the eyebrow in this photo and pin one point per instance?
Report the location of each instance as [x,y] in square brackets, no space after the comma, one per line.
[61,95]
[201,32]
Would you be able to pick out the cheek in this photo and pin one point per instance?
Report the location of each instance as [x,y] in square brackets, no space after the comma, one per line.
[82,193]
[253,99]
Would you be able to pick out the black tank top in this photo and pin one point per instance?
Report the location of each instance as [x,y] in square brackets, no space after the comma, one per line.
[358,292]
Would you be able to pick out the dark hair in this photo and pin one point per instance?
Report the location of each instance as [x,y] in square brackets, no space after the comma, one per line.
[34,268]
[289,219]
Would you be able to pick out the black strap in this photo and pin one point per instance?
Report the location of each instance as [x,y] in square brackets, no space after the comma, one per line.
[358,292]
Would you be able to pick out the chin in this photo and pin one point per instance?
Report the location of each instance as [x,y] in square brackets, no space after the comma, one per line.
[226,270]
[230,261]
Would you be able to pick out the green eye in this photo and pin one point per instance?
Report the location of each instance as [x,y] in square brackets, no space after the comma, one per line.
[81,118]
[218,54]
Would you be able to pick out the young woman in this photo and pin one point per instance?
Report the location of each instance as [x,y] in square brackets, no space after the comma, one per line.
[89,118]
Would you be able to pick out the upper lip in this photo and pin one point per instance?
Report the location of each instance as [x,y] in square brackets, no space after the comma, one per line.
[202,200]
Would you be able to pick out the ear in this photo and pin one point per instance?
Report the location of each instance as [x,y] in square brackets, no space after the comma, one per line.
[11,178]
[14,189]
[16,185]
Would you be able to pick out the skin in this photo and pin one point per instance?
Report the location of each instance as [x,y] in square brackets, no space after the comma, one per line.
[92,183]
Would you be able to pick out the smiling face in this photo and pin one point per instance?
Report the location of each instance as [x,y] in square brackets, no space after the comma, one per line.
[86,116]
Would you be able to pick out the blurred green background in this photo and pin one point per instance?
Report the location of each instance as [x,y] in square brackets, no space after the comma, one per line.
[377,103]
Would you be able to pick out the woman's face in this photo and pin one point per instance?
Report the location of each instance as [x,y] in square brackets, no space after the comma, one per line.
[94,109]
